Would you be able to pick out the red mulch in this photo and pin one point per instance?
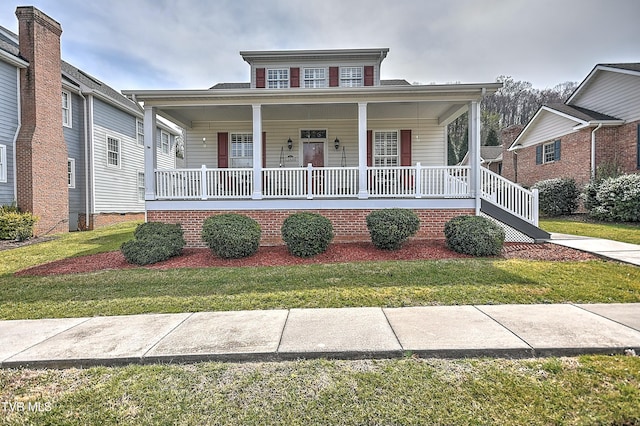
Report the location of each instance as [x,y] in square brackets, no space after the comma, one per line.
[278,255]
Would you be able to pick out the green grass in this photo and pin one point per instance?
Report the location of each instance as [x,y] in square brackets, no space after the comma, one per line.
[624,232]
[589,390]
[386,284]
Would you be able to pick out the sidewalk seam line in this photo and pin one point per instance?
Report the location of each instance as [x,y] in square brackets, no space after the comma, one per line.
[144,355]
[533,350]
[393,330]
[284,325]
[602,316]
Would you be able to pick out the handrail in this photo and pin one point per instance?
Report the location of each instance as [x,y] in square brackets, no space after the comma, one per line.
[510,196]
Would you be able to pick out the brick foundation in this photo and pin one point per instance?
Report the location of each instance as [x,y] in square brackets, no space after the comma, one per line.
[105,219]
[348,224]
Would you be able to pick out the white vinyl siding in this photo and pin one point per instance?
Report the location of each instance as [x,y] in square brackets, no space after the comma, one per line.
[385,149]
[71,173]
[315,77]
[241,152]
[547,125]
[351,77]
[66,109]
[113,151]
[278,78]
[164,142]
[613,93]
[3,163]
[140,132]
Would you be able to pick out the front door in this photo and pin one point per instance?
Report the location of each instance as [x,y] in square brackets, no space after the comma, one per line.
[313,152]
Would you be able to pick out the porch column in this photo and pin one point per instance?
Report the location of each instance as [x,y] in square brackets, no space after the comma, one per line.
[257,152]
[363,191]
[474,151]
[150,153]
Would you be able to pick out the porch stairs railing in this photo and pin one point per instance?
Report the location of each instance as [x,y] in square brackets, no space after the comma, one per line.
[509,196]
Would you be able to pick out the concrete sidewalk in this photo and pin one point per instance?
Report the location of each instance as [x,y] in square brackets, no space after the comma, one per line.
[623,252]
[347,333]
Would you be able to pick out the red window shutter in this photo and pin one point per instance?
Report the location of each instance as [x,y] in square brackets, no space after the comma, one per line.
[264,149]
[369,148]
[405,147]
[368,75]
[260,78]
[295,77]
[334,80]
[223,150]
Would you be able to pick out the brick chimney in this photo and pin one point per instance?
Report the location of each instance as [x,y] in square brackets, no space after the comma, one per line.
[509,158]
[41,152]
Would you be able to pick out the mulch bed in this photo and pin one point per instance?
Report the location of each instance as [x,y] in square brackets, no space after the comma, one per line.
[278,255]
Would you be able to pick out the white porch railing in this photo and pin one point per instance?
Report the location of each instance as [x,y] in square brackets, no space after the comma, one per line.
[313,182]
[510,196]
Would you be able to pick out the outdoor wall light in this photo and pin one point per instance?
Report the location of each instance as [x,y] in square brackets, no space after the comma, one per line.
[204,141]
[336,143]
[289,143]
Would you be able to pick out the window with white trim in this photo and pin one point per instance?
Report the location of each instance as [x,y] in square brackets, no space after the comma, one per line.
[140,186]
[140,132]
[71,172]
[549,153]
[351,77]
[164,142]
[113,151]
[241,150]
[278,78]
[385,149]
[3,163]
[315,77]
[66,109]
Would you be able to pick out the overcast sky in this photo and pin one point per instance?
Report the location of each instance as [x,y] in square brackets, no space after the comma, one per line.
[185,44]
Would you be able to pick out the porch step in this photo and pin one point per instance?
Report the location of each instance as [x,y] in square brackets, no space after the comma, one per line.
[496,212]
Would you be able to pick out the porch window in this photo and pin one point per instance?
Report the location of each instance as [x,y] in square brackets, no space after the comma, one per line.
[140,186]
[385,152]
[71,172]
[66,109]
[140,132]
[113,151]
[315,77]
[241,150]
[164,142]
[351,76]
[278,78]
[3,163]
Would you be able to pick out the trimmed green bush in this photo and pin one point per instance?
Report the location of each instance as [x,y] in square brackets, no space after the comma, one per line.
[307,234]
[153,242]
[231,235]
[558,196]
[15,225]
[390,228]
[616,199]
[474,235]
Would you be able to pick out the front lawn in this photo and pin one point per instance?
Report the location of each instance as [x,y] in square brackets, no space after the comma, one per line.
[587,390]
[576,225]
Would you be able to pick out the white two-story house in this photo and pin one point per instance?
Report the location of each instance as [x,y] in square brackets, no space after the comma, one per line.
[319,130]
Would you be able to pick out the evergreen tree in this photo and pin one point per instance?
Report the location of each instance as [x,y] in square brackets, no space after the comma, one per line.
[492,138]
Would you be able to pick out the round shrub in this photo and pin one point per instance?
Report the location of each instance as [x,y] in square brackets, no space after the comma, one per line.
[474,235]
[15,225]
[617,199]
[307,234]
[558,196]
[390,228]
[153,242]
[231,235]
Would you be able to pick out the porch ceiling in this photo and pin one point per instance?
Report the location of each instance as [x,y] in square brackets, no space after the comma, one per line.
[187,115]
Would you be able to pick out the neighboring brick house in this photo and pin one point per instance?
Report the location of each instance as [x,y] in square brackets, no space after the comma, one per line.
[71,147]
[598,126]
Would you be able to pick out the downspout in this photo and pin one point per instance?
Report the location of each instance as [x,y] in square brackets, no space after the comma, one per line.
[86,163]
[593,151]
[15,139]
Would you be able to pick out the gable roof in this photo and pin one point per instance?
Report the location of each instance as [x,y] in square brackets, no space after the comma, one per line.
[626,68]
[488,154]
[9,51]
[582,114]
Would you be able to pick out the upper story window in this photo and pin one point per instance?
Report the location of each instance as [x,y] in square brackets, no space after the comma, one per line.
[385,150]
[278,78]
[241,150]
[140,132]
[315,77]
[164,142]
[351,77]
[113,151]
[66,109]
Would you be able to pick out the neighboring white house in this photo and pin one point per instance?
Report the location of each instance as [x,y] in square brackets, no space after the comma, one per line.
[319,130]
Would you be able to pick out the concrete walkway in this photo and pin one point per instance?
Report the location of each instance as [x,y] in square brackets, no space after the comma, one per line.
[347,333]
[623,252]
